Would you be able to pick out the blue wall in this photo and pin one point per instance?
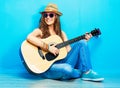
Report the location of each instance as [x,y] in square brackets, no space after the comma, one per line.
[20,17]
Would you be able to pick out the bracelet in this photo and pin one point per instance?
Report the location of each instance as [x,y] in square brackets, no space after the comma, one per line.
[45,47]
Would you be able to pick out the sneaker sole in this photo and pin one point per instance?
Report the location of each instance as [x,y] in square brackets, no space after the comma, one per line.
[96,80]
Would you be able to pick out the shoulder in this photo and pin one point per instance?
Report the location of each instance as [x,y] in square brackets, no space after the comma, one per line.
[63,33]
[37,30]
[64,36]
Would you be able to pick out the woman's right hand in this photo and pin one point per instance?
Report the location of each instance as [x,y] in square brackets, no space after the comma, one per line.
[53,50]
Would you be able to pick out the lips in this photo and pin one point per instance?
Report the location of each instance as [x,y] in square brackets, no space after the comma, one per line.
[49,21]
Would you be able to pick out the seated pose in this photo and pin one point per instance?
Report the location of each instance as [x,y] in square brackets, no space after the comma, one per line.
[77,63]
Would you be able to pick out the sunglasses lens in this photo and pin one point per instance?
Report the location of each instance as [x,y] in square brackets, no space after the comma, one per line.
[45,15]
[51,15]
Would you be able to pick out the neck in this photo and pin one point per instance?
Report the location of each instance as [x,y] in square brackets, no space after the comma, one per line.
[51,27]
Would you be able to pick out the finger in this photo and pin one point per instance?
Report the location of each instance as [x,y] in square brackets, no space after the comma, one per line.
[87,37]
[54,53]
[57,51]
[90,35]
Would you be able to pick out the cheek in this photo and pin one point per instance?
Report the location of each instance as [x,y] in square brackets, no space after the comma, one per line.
[50,21]
[53,20]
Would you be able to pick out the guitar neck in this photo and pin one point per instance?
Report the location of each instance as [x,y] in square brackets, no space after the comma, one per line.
[94,32]
[65,43]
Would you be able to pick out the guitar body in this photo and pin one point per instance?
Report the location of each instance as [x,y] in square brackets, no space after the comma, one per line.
[32,59]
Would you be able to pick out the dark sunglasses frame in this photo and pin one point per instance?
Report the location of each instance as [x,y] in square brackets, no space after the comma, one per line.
[51,15]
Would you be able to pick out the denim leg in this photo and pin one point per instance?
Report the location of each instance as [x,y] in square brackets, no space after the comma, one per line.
[61,71]
[79,56]
[84,61]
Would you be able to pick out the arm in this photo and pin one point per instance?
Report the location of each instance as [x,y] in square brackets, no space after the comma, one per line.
[35,39]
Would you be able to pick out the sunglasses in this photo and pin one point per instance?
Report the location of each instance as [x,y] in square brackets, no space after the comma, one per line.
[51,15]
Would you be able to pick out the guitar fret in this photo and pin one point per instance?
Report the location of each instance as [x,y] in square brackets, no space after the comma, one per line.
[70,41]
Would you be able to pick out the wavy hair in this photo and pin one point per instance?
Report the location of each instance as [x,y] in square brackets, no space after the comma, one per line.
[44,27]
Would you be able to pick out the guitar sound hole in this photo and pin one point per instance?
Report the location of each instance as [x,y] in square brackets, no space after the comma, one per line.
[50,56]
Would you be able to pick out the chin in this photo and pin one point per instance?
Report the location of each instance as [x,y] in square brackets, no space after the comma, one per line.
[49,24]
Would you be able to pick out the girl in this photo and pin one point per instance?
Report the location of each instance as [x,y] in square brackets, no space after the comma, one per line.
[77,62]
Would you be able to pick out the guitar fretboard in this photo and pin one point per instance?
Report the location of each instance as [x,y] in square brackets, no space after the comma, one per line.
[70,41]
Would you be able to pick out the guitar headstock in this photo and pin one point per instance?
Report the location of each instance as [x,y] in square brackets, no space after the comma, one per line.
[96,32]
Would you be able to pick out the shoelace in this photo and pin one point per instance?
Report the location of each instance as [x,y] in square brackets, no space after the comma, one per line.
[93,72]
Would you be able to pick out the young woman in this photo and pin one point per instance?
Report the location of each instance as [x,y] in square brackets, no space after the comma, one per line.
[77,62]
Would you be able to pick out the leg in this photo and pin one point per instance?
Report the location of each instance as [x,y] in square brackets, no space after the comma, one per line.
[84,63]
[79,56]
[61,71]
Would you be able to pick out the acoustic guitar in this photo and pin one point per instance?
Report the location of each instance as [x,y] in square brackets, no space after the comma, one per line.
[38,61]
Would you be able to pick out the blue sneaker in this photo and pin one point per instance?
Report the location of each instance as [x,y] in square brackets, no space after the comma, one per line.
[92,76]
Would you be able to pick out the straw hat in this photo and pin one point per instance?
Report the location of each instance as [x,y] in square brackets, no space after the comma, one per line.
[52,8]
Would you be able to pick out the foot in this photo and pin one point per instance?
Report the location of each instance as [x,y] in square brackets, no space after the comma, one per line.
[92,76]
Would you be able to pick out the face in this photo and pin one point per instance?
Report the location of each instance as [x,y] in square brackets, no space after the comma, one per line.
[49,18]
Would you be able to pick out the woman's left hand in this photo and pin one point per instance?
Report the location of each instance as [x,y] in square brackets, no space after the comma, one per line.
[88,36]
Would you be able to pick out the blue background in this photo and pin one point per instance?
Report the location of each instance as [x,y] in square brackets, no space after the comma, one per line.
[19,17]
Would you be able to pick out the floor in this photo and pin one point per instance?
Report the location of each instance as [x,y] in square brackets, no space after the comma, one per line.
[25,80]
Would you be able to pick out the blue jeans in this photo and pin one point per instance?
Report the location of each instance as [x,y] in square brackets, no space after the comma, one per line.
[73,65]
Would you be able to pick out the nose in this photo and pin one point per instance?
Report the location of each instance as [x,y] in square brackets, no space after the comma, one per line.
[48,16]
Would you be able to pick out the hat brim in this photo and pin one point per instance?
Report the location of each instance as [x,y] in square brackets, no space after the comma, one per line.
[58,13]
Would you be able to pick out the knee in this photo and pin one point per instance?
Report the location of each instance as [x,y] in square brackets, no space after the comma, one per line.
[67,72]
[64,68]
[67,69]
[83,42]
